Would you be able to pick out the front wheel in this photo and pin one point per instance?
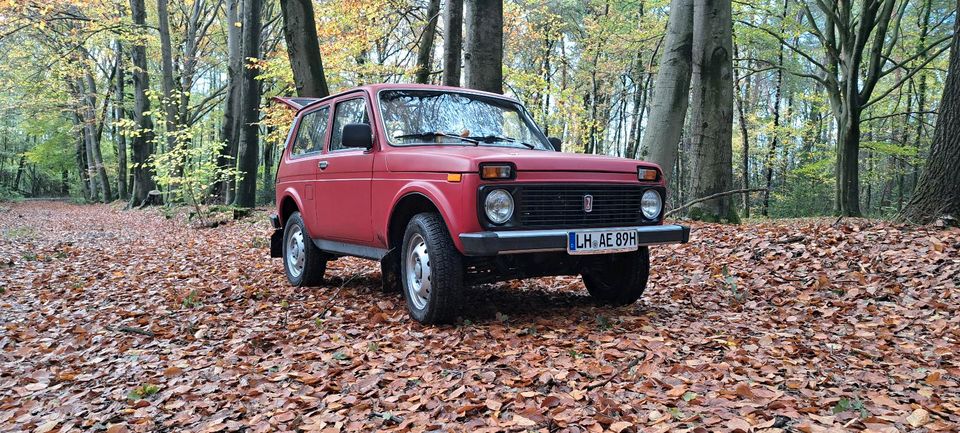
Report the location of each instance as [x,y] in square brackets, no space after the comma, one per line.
[618,279]
[303,262]
[431,270]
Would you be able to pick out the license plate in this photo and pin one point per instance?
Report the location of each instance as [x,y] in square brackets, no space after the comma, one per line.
[602,241]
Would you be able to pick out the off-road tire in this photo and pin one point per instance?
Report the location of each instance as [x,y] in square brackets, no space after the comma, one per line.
[618,279]
[445,270]
[315,261]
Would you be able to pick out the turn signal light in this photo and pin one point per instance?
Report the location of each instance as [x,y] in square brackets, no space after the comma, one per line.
[496,171]
[648,174]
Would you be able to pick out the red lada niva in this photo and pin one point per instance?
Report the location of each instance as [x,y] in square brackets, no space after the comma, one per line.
[449,187]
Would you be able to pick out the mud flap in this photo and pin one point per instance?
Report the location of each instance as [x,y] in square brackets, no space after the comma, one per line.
[390,271]
[276,243]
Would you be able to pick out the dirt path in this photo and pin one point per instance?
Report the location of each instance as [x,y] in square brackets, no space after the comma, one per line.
[133,321]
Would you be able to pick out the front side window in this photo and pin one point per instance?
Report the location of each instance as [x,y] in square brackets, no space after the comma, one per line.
[349,111]
[418,117]
[311,133]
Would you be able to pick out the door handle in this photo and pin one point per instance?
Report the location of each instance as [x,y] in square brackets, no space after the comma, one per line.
[322,165]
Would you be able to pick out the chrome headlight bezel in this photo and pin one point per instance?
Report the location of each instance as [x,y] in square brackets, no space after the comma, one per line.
[651,204]
[498,206]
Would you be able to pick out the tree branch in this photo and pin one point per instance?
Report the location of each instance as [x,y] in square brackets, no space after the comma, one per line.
[713,196]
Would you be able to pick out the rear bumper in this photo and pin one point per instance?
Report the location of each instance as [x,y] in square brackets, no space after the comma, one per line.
[531,241]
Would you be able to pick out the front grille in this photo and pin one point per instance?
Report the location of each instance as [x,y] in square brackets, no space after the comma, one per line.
[562,206]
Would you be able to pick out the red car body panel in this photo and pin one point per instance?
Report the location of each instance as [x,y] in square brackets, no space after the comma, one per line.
[353,199]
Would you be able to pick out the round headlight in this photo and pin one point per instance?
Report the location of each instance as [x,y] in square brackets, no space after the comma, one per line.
[651,204]
[498,206]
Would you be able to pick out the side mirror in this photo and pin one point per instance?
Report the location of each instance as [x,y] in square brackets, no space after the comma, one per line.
[555,142]
[357,135]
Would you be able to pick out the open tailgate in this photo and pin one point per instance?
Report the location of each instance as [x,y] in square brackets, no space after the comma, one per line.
[296,103]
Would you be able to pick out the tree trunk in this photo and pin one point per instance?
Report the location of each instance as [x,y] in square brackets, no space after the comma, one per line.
[483,59]
[83,123]
[95,156]
[777,96]
[745,137]
[166,70]
[142,143]
[671,90]
[452,42]
[848,161]
[81,158]
[267,181]
[425,48]
[229,131]
[303,48]
[712,109]
[120,113]
[16,181]
[249,109]
[938,190]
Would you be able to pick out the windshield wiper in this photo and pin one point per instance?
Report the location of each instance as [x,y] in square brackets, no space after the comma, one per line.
[494,138]
[437,134]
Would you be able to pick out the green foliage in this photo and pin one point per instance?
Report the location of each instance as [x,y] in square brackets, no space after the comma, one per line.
[143,391]
[7,194]
[189,170]
[192,300]
[855,405]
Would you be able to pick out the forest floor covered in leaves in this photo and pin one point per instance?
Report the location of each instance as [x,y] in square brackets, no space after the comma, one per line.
[115,321]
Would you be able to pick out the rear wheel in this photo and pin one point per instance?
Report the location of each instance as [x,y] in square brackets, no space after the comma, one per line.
[431,270]
[303,262]
[618,279]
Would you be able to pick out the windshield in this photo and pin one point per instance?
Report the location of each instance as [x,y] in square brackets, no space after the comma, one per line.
[419,117]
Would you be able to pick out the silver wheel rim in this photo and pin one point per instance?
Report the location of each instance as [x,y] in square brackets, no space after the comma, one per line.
[295,251]
[417,272]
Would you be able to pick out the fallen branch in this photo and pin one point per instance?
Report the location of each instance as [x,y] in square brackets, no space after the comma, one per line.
[631,364]
[711,197]
[334,296]
[132,330]
[789,240]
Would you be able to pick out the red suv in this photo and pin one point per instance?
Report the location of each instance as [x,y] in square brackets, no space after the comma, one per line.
[449,187]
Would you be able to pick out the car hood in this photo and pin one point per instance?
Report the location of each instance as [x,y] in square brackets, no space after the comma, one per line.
[465,159]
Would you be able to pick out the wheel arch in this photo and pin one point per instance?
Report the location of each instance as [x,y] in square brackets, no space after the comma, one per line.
[287,205]
[408,205]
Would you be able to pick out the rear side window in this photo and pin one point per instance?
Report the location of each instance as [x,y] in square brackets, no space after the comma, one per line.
[349,111]
[312,132]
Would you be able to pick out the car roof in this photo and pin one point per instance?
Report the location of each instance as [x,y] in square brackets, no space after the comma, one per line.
[299,103]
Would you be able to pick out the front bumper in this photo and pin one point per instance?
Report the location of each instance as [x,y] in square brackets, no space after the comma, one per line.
[532,241]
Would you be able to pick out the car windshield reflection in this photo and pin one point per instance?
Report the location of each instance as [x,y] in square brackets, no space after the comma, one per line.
[420,117]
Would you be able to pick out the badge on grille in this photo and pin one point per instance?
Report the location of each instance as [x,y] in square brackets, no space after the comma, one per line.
[588,203]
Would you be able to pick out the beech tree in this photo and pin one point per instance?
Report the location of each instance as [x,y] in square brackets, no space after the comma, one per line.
[230,123]
[303,48]
[711,113]
[483,59]
[857,41]
[248,154]
[120,113]
[142,143]
[425,48]
[668,109]
[938,192]
[604,77]
[452,41]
